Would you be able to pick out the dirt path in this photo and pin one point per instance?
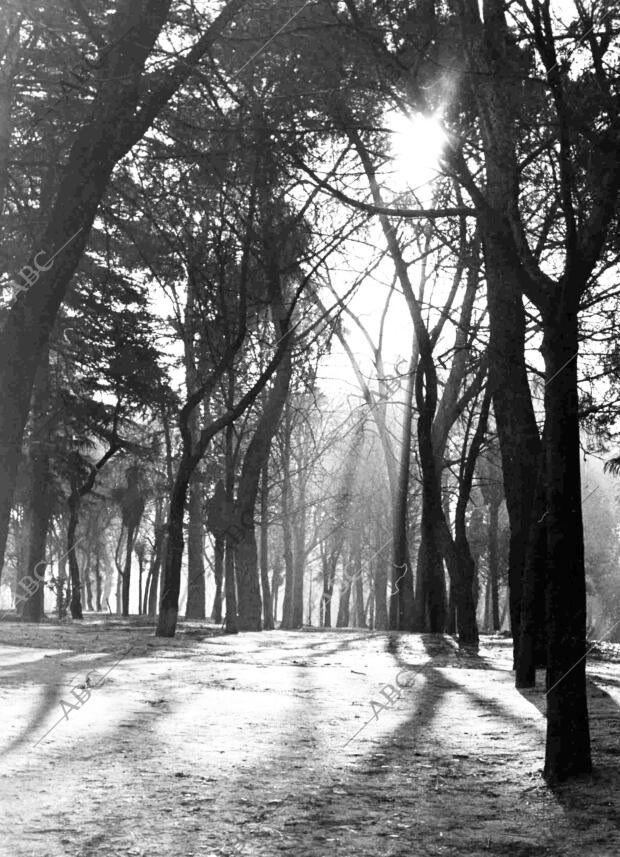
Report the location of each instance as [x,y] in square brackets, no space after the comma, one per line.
[283,743]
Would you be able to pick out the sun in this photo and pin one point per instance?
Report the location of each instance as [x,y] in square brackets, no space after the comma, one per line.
[416,144]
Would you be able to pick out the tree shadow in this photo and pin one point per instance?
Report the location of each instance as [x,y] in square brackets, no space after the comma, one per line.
[593,799]
[80,686]
[414,788]
[446,648]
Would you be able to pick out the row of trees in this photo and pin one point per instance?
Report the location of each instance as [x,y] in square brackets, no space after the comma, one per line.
[185,206]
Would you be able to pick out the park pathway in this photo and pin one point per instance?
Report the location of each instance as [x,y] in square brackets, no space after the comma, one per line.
[312,743]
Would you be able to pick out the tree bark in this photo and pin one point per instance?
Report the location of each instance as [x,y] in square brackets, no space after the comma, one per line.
[493,562]
[299,557]
[380,590]
[514,415]
[86,582]
[430,593]
[126,575]
[249,606]
[60,590]
[434,423]
[40,499]
[568,739]
[466,599]
[358,587]
[486,44]
[532,620]
[268,624]
[230,586]
[289,563]
[401,597]
[329,561]
[97,579]
[360,610]
[451,614]
[38,518]
[342,620]
[218,574]
[195,608]
[159,551]
[74,571]
[171,578]
[276,579]
[230,583]
[257,455]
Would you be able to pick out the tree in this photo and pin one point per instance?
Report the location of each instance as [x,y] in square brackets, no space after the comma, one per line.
[489,467]
[126,101]
[584,195]
[132,502]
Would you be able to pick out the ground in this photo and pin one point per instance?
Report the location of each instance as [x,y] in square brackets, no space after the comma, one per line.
[314,743]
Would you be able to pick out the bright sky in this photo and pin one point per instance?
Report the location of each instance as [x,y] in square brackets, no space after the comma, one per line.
[416,146]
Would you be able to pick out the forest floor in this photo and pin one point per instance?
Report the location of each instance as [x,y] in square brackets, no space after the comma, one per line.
[282,743]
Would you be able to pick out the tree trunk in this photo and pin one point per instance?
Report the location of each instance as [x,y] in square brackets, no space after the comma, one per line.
[324,602]
[276,579]
[342,620]
[299,559]
[230,586]
[39,492]
[467,625]
[451,615]
[230,583]
[309,615]
[289,565]
[464,579]
[360,612]
[264,549]
[126,577]
[97,579]
[486,44]
[60,591]
[401,598]
[249,606]
[74,570]
[380,591]
[195,608]
[39,518]
[532,620]
[171,579]
[87,582]
[516,424]
[568,737]
[356,580]
[329,561]
[493,560]
[218,574]
[159,550]
[140,556]
[257,457]
[430,596]
[119,569]
[20,536]
[504,613]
